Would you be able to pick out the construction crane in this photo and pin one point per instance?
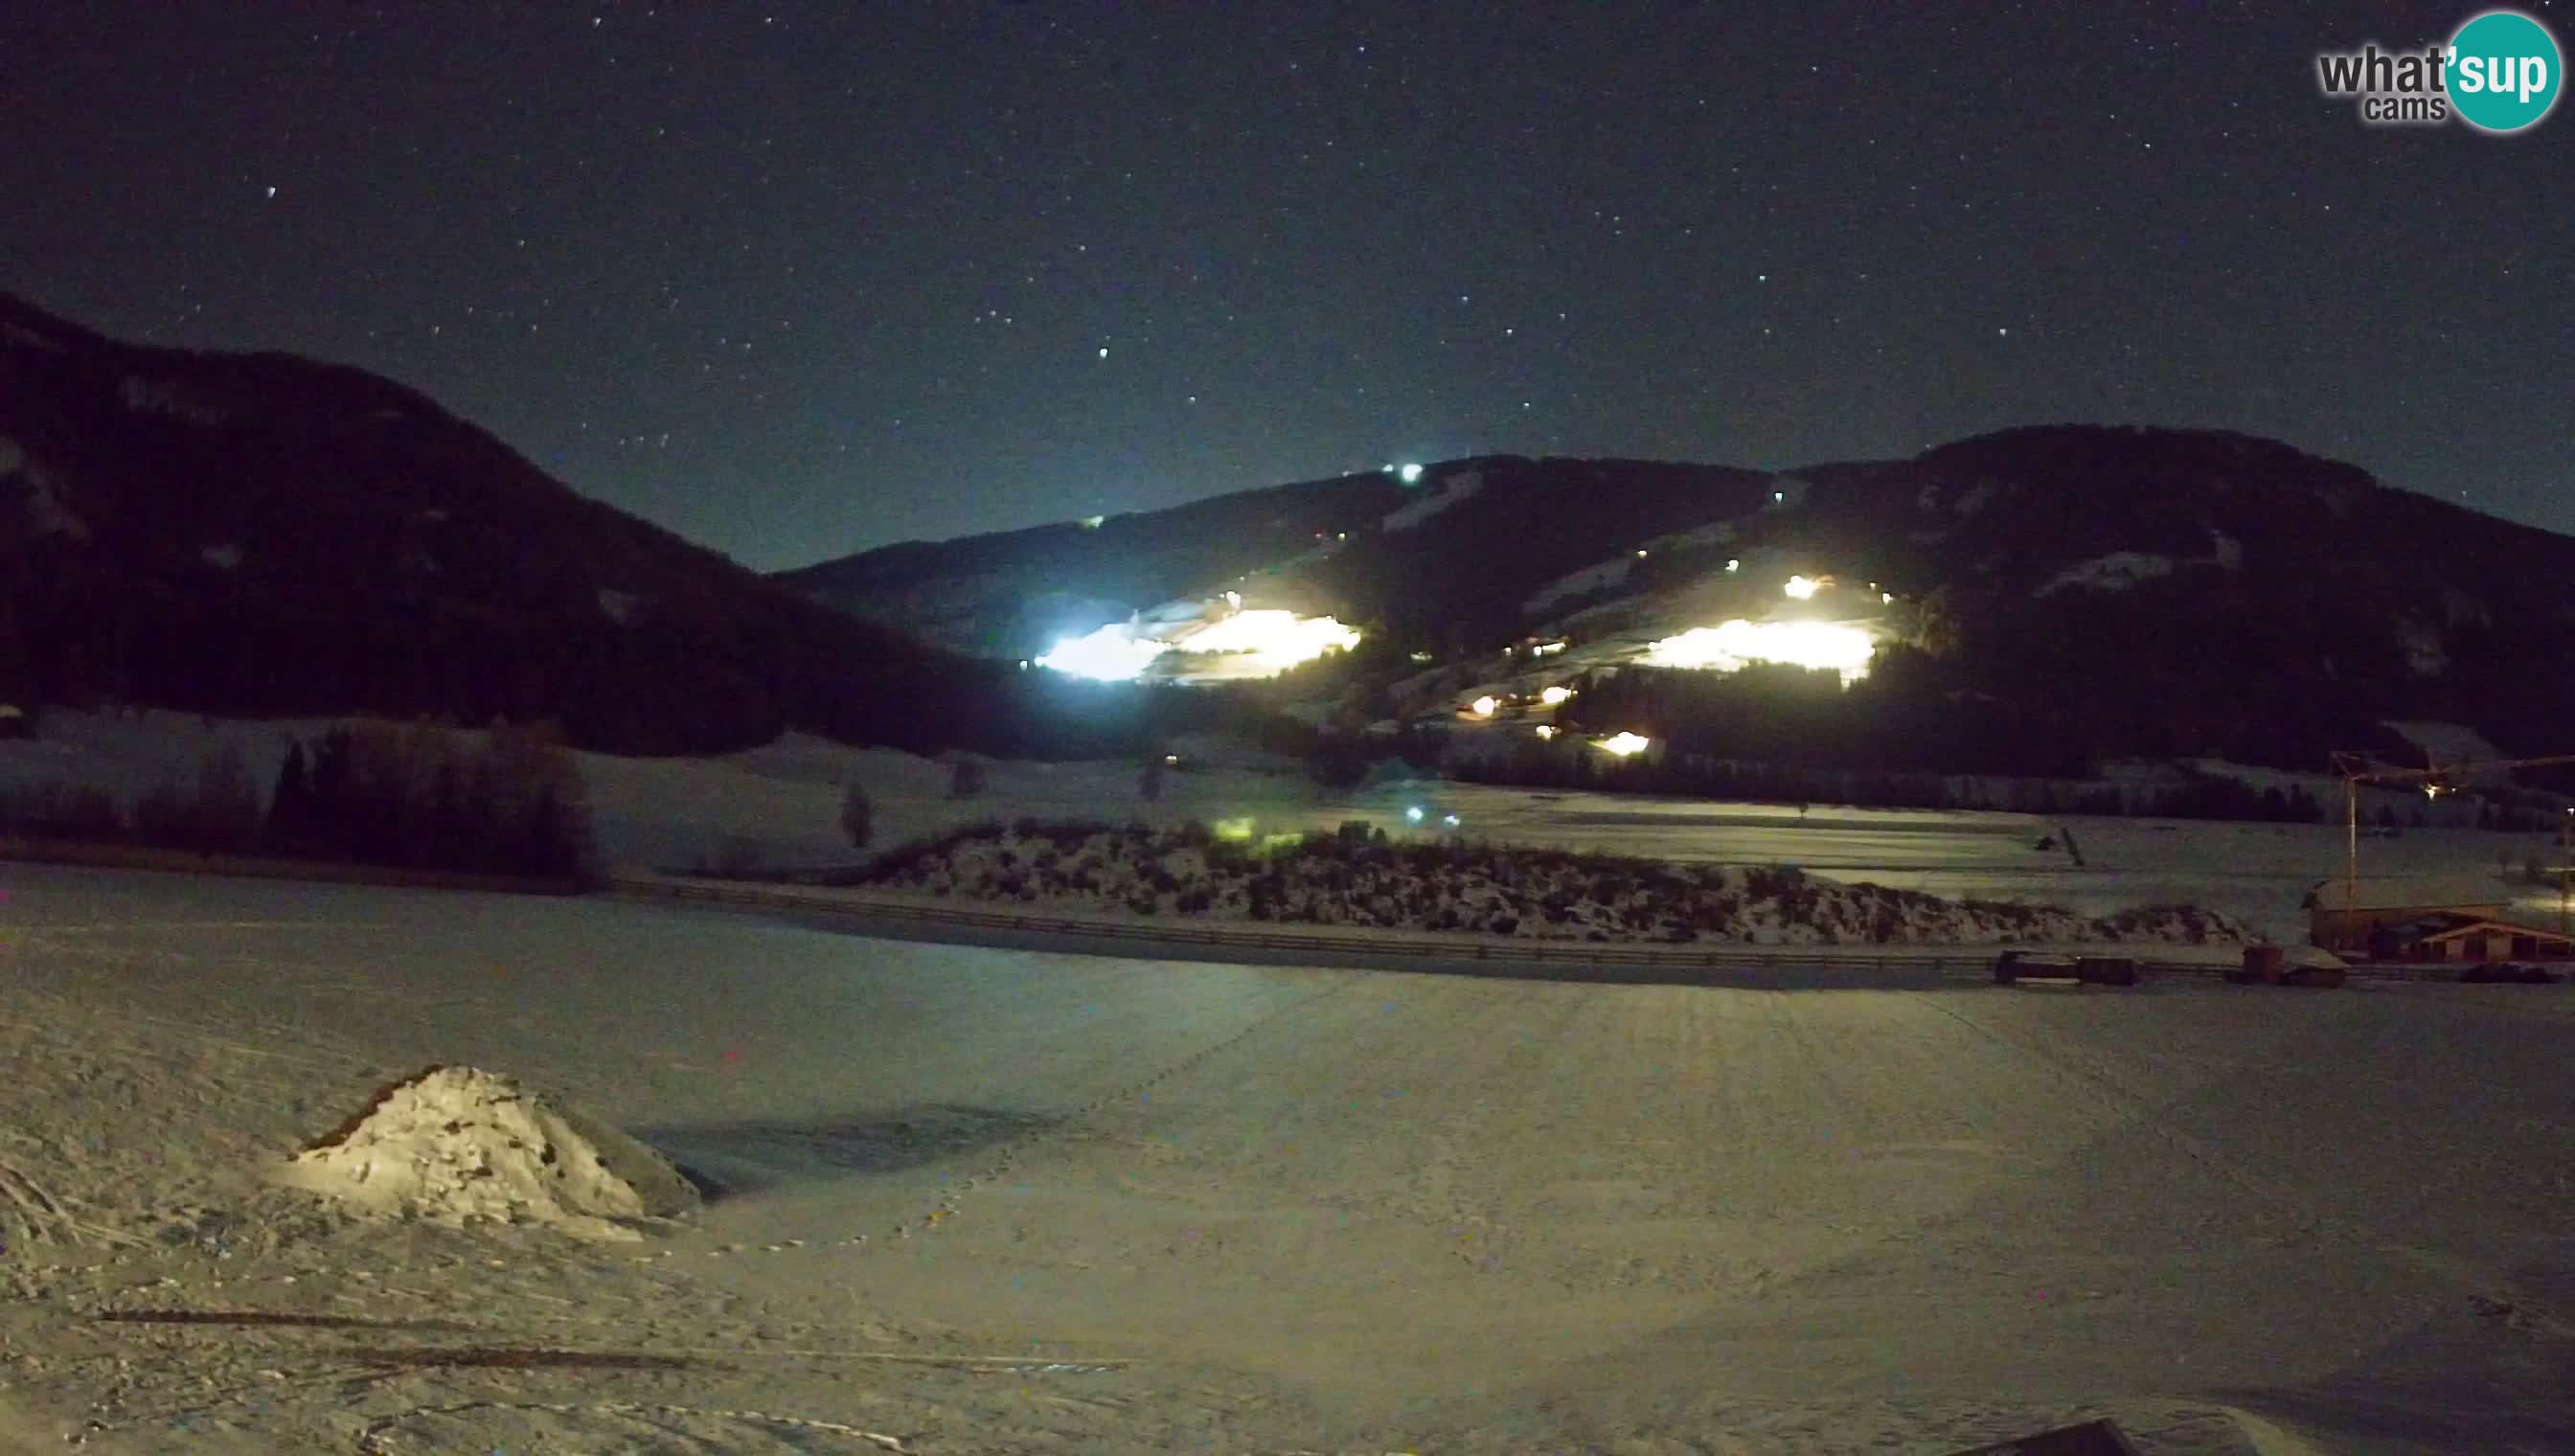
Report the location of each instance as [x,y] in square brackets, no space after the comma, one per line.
[2357,768]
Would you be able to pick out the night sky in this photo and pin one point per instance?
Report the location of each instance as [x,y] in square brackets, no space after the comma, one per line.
[795,280]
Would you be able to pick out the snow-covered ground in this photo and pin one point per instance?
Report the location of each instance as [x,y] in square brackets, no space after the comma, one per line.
[785,799]
[975,1200]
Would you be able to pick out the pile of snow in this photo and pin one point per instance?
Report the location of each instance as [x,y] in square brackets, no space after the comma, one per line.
[1491,889]
[453,1146]
[2116,572]
[1451,490]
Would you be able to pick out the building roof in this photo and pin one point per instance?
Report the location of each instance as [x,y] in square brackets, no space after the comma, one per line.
[2489,928]
[2415,891]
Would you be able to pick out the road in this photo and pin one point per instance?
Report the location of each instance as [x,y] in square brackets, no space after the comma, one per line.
[1272,1208]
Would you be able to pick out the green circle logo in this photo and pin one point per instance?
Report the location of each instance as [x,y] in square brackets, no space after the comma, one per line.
[2504,71]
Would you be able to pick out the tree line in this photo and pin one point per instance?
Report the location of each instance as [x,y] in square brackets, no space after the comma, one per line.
[419,796]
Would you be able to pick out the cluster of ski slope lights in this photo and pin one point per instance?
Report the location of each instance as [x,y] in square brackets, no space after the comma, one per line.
[1727,647]
[1263,642]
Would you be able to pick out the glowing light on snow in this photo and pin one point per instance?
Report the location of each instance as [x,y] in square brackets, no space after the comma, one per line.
[1093,522]
[1412,814]
[1733,564]
[1108,656]
[1483,707]
[1801,587]
[1450,820]
[1625,745]
[1547,731]
[1886,598]
[1234,599]
[1553,696]
[1545,649]
[1276,638]
[1260,642]
[1409,474]
[1845,649]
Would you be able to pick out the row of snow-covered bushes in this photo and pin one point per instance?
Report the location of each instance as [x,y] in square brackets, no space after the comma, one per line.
[509,801]
[1358,877]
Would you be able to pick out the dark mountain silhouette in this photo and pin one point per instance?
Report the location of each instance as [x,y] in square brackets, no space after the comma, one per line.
[259,534]
[2064,593]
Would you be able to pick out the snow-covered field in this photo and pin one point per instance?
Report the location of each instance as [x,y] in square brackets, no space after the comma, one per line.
[785,799]
[972,1200]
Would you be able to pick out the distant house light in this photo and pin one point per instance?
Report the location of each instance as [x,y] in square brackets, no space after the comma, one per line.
[1545,649]
[1547,731]
[1553,696]
[1625,745]
[1886,597]
[1779,497]
[1640,552]
[1409,473]
[1801,587]
[1732,565]
[1422,657]
[1483,707]
[1093,523]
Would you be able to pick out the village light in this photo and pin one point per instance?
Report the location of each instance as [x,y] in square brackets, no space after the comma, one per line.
[1547,731]
[1412,814]
[1553,696]
[1625,745]
[1733,564]
[1409,474]
[1483,707]
[1450,820]
[1800,588]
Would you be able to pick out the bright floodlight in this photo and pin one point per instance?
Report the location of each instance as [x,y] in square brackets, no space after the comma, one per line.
[1109,655]
[1267,640]
[1483,707]
[1553,696]
[1412,814]
[1625,745]
[1260,642]
[1800,588]
[1845,649]
[1409,474]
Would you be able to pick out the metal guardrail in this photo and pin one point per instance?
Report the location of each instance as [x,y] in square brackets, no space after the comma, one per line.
[1939,959]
